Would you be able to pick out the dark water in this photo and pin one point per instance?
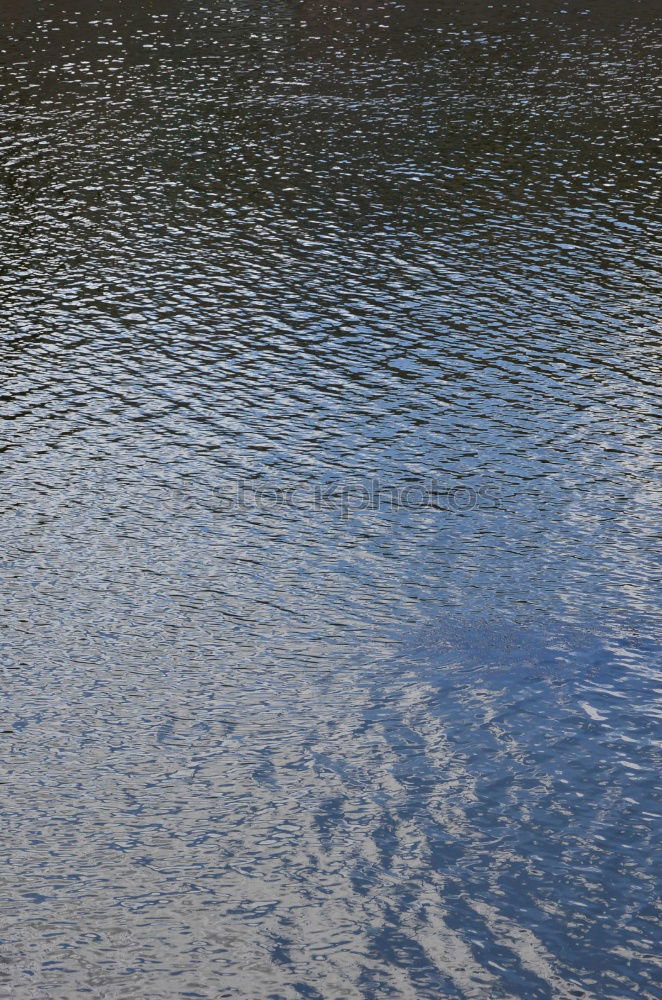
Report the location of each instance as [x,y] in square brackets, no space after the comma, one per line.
[276,722]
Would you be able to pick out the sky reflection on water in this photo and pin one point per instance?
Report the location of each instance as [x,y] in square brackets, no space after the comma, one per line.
[276,749]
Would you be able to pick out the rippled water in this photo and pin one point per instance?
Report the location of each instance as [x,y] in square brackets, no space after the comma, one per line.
[276,721]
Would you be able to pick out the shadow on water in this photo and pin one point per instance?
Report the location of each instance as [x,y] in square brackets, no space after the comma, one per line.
[496,735]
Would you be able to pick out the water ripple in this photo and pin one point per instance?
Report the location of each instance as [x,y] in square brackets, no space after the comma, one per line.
[330,410]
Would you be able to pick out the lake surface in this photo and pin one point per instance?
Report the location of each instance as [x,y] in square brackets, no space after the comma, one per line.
[329,489]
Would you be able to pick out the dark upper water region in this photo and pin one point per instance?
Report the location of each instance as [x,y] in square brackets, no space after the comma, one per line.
[329,642]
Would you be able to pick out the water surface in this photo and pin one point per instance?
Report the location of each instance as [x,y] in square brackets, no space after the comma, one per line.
[277,723]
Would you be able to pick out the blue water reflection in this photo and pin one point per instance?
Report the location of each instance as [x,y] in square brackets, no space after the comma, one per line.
[330,645]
